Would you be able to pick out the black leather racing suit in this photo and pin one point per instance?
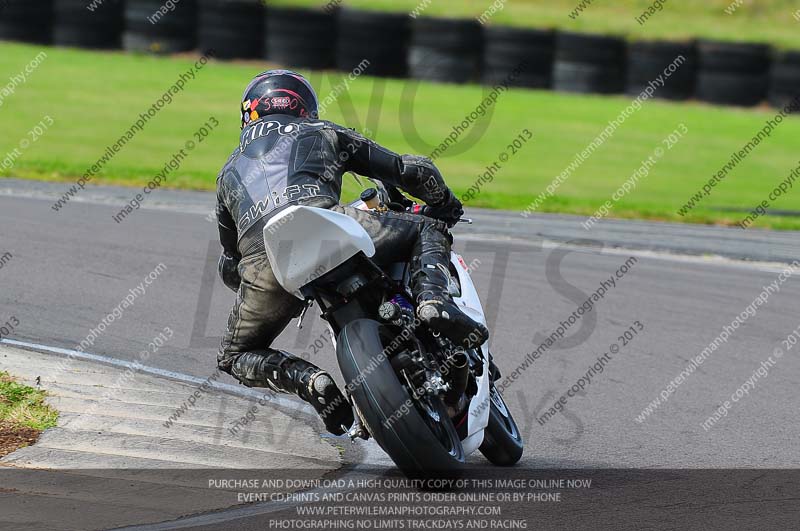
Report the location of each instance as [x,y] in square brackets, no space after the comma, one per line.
[283,160]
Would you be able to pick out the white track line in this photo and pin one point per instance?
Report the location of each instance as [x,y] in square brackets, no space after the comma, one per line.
[242,391]
[195,208]
[372,455]
[713,260]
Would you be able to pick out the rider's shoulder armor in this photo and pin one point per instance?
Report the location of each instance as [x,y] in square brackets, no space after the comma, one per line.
[280,160]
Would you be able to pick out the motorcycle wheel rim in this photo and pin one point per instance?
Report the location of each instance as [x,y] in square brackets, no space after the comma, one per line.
[500,406]
[435,417]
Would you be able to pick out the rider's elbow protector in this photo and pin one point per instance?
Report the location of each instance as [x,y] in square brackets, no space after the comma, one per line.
[229,271]
[422,178]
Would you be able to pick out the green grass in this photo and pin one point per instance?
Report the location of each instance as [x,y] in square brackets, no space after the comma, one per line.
[94,97]
[756,20]
[21,405]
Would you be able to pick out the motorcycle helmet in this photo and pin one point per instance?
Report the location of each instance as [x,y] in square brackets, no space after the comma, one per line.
[278,92]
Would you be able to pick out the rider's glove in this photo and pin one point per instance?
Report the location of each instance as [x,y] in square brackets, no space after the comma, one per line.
[450,211]
[229,270]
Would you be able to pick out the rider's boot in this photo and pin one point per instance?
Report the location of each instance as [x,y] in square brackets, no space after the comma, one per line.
[285,373]
[429,283]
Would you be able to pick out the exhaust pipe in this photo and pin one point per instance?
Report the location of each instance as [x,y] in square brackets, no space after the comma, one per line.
[457,367]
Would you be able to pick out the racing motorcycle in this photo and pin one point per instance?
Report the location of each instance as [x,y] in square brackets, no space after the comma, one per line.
[426,401]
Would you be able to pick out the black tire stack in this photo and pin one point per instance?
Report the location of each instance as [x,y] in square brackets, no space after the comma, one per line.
[649,60]
[174,31]
[233,29]
[785,79]
[301,37]
[447,50]
[521,57]
[380,38]
[589,64]
[26,20]
[732,73]
[75,25]
[425,48]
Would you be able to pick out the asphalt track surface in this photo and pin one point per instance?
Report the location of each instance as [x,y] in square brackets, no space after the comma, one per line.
[70,269]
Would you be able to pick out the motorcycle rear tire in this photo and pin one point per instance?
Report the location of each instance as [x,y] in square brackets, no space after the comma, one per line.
[388,410]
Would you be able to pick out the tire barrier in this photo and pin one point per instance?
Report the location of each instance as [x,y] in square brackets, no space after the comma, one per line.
[380,38]
[732,73]
[150,26]
[648,60]
[589,64]
[75,25]
[784,79]
[447,50]
[26,21]
[397,45]
[506,49]
[301,37]
[232,28]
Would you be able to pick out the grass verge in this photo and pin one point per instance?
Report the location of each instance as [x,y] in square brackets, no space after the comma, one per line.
[100,95]
[23,414]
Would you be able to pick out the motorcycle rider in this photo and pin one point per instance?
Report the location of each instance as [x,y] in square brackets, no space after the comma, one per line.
[288,156]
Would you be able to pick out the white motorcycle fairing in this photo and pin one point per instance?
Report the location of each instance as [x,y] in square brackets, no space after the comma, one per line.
[469,303]
[303,243]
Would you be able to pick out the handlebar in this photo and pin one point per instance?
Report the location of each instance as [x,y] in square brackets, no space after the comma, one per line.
[387,196]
